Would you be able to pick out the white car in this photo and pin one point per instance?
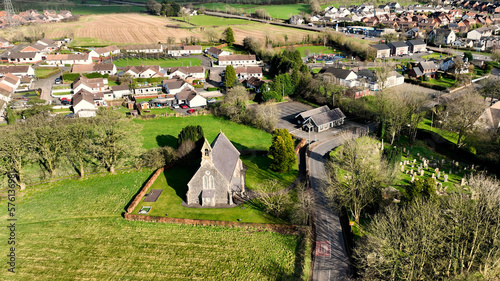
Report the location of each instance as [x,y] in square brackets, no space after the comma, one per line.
[175,105]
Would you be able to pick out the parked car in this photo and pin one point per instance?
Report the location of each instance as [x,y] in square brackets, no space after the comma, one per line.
[65,102]
[183,106]
[58,80]
[211,100]
[175,105]
[191,110]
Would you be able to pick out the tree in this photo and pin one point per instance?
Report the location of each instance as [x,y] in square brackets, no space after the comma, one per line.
[78,134]
[263,116]
[229,76]
[390,37]
[13,153]
[490,88]
[495,55]
[415,103]
[392,113]
[461,114]
[468,56]
[212,35]
[282,151]
[158,157]
[251,44]
[193,133]
[114,140]
[153,7]
[235,104]
[229,35]
[382,74]
[358,173]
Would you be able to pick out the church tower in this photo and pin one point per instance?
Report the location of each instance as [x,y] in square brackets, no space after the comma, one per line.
[206,153]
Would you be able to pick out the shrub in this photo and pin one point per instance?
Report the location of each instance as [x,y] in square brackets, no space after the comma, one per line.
[211,89]
[158,157]
[71,76]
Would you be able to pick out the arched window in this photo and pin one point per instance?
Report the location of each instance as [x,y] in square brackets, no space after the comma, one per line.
[206,152]
[208,181]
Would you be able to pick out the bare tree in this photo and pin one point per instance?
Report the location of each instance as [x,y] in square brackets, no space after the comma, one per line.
[13,153]
[415,103]
[263,116]
[461,113]
[392,112]
[491,88]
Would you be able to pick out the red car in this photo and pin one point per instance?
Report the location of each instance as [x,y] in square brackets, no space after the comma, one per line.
[191,110]
[183,106]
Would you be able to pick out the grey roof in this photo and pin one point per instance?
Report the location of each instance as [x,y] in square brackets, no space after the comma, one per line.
[381,47]
[314,111]
[225,156]
[337,72]
[416,42]
[427,65]
[417,71]
[81,96]
[398,44]
[368,73]
[327,117]
[122,87]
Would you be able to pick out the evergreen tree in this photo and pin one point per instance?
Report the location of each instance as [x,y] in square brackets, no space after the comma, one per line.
[230,76]
[282,151]
[229,36]
[193,133]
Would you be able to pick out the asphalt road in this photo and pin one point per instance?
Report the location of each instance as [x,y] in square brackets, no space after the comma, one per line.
[331,261]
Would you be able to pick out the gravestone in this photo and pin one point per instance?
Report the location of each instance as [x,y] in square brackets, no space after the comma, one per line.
[463,182]
[445,178]
[449,172]
[421,173]
[414,161]
[412,165]
[402,168]
[436,170]
[412,179]
[433,176]
[438,174]
[419,169]
[400,163]
[472,167]
[408,153]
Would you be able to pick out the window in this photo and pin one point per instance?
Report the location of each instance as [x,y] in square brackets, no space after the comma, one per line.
[208,181]
[206,152]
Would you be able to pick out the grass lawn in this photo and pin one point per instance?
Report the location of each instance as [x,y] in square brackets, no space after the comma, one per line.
[316,70]
[74,229]
[88,42]
[426,125]
[258,172]
[164,110]
[164,131]
[174,184]
[62,110]
[204,20]
[46,72]
[62,93]
[435,56]
[275,11]
[445,82]
[112,83]
[317,50]
[222,6]
[235,50]
[160,62]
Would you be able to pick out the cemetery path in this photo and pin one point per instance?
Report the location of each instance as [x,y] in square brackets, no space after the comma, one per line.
[331,258]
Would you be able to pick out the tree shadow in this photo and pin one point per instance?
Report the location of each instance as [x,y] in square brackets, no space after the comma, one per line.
[179,176]
[166,140]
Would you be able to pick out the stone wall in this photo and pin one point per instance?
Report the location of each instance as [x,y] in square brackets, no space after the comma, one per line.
[144,189]
[279,228]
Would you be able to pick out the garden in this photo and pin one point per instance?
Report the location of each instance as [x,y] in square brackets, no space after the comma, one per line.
[160,62]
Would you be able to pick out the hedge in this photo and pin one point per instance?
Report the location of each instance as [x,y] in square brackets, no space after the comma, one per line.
[211,89]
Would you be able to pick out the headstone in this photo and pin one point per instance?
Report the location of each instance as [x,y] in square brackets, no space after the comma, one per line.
[408,153]
[438,175]
[436,170]
[402,168]
[442,161]
[472,167]
[449,172]
[400,163]
[419,169]
[418,153]
[463,182]
[456,163]
[414,161]
[445,178]
[406,172]
[404,149]
[440,186]
[412,165]
[432,157]
[433,176]
[412,178]
[421,173]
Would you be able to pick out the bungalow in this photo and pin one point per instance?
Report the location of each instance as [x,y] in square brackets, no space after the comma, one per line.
[107,51]
[369,79]
[245,72]
[344,77]
[416,46]
[119,91]
[27,57]
[236,60]
[215,52]
[194,72]
[17,70]
[398,48]
[184,50]
[143,71]
[148,49]
[490,119]
[383,51]
[83,105]
[304,116]
[147,90]
[191,98]
[4,43]
[254,83]
[324,120]
[102,68]
[174,86]
[63,59]
[91,85]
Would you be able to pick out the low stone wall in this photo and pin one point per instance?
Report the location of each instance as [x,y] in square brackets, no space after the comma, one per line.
[279,228]
[144,189]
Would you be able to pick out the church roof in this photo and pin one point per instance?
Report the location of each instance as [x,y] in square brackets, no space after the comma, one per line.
[224,156]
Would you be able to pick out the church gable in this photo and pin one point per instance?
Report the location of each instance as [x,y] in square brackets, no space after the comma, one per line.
[208,183]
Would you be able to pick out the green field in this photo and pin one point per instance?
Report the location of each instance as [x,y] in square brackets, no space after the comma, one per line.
[258,172]
[160,62]
[317,50]
[164,131]
[73,229]
[275,11]
[88,42]
[204,20]
[426,125]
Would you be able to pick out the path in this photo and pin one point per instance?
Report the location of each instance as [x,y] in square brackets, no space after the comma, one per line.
[331,260]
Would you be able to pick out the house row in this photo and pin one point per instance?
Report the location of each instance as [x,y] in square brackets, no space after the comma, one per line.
[178,51]
[33,16]
[399,48]
[101,68]
[362,78]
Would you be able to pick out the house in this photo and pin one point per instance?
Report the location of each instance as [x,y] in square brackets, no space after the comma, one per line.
[24,57]
[83,105]
[184,72]
[184,50]
[9,83]
[344,77]
[4,43]
[106,51]
[398,48]
[383,51]
[448,65]
[254,83]
[323,121]
[102,68]
[245,72]
[296,20]
[149,71]
[484,31]
[357,92]
[492,42]
[214,52]
[119,91]
[91,85]
[63,59]
[426,68]
[236,60]
[442,36]
[490,119]
[190,97]
[416,46]
[369,79]
[220,176]
[175,85]
[303,116]
[148,49]
[463,43]
[147,90]
[17,70]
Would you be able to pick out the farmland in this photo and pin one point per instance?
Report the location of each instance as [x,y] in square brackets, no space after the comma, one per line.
[75,227]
